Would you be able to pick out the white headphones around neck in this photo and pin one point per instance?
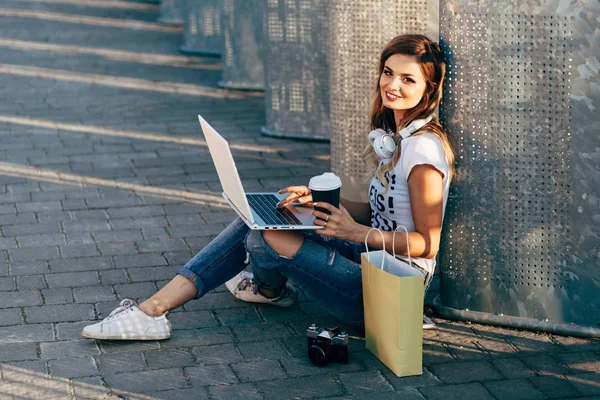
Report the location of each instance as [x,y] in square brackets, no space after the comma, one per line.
[385,145]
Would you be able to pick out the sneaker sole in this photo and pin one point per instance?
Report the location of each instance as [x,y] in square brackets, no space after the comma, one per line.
[125,337]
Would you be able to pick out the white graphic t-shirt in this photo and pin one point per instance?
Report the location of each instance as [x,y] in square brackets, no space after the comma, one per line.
[391,209]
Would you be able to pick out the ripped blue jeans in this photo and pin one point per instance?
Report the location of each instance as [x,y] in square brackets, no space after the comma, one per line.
[327,271]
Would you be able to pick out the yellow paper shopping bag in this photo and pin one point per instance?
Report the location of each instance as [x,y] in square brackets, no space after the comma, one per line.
[393,294]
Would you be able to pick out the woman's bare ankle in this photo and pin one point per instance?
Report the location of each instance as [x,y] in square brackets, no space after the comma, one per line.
[150,309]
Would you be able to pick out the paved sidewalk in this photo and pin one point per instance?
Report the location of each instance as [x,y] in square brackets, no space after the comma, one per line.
[106,188]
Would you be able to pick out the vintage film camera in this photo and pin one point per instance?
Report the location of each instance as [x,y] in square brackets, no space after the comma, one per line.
[326,345]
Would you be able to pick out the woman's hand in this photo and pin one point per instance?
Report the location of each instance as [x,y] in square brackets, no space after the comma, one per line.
[298,194]
[338,224]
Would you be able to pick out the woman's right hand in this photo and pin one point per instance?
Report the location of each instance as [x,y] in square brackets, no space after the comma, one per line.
[297,194]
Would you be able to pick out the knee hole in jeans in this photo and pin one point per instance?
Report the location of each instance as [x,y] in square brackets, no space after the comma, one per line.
[331,257]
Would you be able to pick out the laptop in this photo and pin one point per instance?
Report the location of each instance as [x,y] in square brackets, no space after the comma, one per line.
[258,210]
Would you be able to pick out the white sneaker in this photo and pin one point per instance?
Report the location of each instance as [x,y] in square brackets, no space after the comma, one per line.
[242,286]
[128,322]
[428,323]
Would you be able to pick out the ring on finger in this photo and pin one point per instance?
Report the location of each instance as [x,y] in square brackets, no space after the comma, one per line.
[327,218]
[325,224]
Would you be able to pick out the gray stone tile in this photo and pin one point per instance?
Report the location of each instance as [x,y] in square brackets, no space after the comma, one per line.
[305,387]
[17,352]
[554,387]
[258,370]
[146,381]
[469,391]
[176,358]
[217,354]
[244,391]
[26,333]
[69,349]
[513,389]
[210,375]
[73,367]
[465,372]
[59,313]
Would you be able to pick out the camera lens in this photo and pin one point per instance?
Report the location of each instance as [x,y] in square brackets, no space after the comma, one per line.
[317,355]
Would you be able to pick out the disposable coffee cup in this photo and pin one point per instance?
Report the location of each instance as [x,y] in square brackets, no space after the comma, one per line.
[325,188]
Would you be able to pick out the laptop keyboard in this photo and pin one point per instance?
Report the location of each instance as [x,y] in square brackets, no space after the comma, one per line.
[265,205]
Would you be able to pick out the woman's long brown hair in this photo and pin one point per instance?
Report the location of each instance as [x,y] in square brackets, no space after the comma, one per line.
[433,67]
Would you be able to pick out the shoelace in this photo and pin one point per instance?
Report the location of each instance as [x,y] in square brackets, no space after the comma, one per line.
[247,283]
[124,305]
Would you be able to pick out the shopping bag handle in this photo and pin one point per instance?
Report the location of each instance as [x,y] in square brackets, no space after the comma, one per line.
[382,241]
[407,245]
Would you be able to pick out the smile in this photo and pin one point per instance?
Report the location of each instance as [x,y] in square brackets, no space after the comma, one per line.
[391,97]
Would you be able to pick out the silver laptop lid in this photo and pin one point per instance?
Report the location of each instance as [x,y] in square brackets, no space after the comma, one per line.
[226,169]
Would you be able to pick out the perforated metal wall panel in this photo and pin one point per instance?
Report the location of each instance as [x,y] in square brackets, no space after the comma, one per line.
[203,33]
[243,23]
[296,69]
[171,11]
[522,229]
[359,31]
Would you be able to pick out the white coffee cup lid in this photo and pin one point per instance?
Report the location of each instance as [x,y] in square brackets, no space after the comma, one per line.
[327,181]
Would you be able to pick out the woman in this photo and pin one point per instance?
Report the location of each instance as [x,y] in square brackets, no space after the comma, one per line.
[409,187]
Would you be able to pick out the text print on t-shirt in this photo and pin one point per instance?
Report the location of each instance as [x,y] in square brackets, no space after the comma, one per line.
[381,203]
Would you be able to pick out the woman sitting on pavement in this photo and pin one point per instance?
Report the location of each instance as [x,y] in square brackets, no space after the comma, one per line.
[415,179]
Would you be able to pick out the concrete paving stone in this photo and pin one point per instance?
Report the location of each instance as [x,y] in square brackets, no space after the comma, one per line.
[140,290]
[39,206]
[18,219]
[85,226]
[139,222]
[10,316]
[197,337]
[195,230]
[246,391]
[514,389]
[587,384]
[260,331]
[238,316]
[90,215]
[544,364]
[223,216]
[47,389]
[580,362]
[8,243]
[31,282]
[47,196]
[68,349]
[26,333]
[53,217]
[126,235]
[186,219]
[56,239]
[93,294]
[120,362]
[196,393]
[146,381]
[139,260]
[177,358]
[82,193]
[217,354]
[149,246]
[8,209]
[98,263]
[434,353]
[30,229]
[512,368]
[20,299]
[79,238]
[72,279]
[17,352]
[118,248]
[261,350]
[57,296]
[178,258]
[531,342]
[3,265]
[365,382]
[425,379]
[91,388]
[304,387]
[79,250]
[23,371]
[113,276]
[554,387]
[14,197]
[34,253]
[183,208]
[112,202]
[269,313]
[192,320]
[210,375]
[154,233]
[73,367]
[302,366]
[28,267]
[258,370]
[59,313]
[73,204]
[577,345]
[469,391]
[125,346]
[138,211]
[23,187]
[150,273]
[213,301]
[71,330]
[7,283]
[465,372]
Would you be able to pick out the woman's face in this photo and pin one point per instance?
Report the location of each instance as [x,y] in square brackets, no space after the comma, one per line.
[402,84]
